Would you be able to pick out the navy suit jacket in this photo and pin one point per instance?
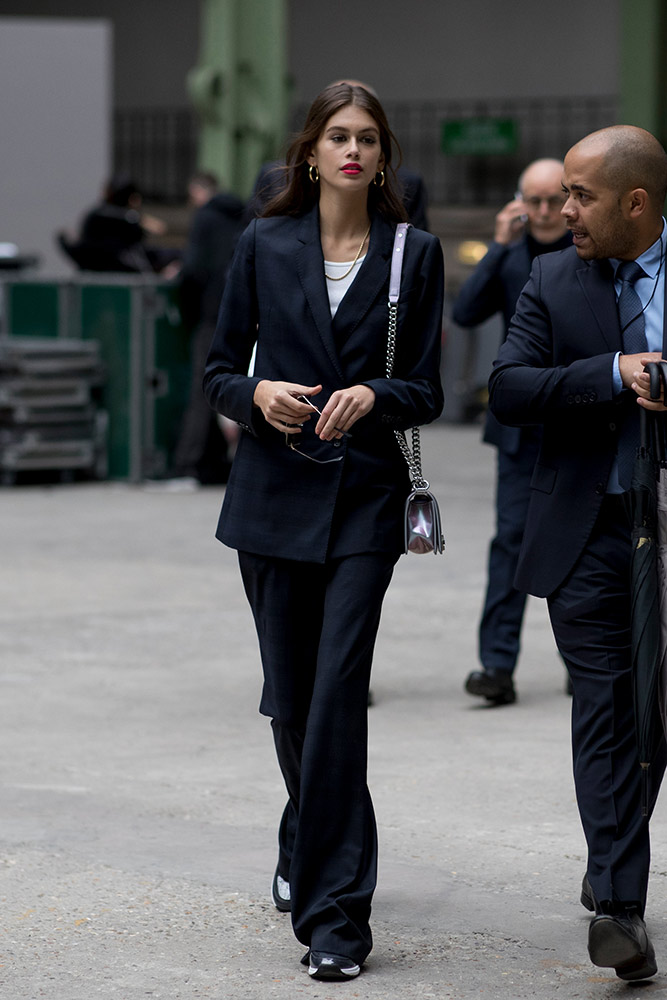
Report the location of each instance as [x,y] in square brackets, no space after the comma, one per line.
[495,286]
[555,369]
[278,503]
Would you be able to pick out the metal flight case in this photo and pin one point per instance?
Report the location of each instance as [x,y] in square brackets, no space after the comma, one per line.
[50,417]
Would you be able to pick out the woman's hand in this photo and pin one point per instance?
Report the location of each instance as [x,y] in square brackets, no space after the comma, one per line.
[632,374]
[344,408]
[281,408]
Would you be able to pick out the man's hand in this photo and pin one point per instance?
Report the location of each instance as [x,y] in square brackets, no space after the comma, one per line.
[510,222]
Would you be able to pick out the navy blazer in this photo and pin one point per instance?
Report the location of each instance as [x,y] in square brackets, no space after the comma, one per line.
[494,286]
[278,503]
[555,368]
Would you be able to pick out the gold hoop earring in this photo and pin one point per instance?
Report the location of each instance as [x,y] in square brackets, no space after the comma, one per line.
[313,173]
[379,183]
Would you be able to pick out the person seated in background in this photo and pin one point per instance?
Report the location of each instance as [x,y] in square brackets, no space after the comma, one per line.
[113,234]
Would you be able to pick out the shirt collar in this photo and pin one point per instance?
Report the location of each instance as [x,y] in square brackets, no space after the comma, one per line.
[650,259]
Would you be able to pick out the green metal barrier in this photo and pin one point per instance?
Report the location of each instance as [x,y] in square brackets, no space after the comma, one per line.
[144,347]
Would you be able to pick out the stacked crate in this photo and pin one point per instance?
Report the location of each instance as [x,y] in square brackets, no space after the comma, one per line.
[50,417]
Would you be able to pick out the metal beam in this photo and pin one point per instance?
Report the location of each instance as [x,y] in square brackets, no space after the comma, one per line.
[643,68]
[239,88]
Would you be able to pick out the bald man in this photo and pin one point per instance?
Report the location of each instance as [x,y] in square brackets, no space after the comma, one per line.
[572,366]
[529,225]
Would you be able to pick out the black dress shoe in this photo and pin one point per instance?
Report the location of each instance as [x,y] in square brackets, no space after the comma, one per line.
[620,941]
[494,685]
[587,895]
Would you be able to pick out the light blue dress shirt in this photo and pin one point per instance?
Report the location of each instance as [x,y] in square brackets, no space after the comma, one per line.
[651,292]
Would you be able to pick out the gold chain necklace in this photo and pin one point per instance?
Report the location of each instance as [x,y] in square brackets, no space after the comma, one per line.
[351,267]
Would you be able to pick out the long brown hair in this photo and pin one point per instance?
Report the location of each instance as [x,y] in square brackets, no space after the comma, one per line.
[298,194]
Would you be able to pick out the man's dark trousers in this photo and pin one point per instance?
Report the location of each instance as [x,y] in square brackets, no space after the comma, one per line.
[590,615]
[500,625]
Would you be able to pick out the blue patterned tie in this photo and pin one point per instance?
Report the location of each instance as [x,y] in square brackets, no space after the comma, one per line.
[631,317]
[630,311]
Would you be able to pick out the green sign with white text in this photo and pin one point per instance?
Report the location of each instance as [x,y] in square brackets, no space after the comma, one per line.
[480,136]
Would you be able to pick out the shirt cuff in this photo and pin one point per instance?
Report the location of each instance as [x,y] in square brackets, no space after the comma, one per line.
[617,381]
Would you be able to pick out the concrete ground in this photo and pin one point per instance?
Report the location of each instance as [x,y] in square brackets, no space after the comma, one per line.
[140,795]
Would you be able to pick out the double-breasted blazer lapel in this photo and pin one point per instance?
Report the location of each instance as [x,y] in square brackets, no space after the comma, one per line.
[310,269]
[360,296]
[365,289]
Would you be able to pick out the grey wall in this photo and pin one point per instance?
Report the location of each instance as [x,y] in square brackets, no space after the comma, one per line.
[155,43]
[447,49]
[419,50]
[55,79]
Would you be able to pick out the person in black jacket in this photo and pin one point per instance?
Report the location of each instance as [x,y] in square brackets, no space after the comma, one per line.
[587,322]
[201,449]
[529,225]
[114,234]
[317,490]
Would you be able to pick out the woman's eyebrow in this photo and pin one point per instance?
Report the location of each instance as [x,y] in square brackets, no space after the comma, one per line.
[345,128]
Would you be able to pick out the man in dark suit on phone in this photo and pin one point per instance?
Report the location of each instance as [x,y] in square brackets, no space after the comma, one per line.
[529,225]
[586,324]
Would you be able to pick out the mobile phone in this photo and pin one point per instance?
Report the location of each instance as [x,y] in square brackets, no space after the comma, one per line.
[519,197]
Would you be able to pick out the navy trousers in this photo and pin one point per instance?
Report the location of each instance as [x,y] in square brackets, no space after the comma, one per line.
[317,626]
[502,616]
[590,615]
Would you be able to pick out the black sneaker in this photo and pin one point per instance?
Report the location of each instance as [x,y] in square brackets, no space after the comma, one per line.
[322,966]
[280,893]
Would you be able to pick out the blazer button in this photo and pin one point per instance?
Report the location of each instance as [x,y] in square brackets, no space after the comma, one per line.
[577,398]
[612,427]
[570,399]
[599,489]
[336,443]
[592,396]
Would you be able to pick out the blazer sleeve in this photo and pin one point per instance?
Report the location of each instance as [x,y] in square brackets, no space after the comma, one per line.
[481,295]
[227,386]
[414,396]
[528,385]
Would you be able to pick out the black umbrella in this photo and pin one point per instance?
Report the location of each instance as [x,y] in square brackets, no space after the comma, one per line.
[646,638]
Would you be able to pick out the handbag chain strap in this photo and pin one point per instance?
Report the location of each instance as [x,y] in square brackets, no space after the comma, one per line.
[413,458]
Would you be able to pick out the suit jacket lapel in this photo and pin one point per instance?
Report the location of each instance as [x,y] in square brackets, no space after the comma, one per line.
[310,268]
[596,280]
[366,287]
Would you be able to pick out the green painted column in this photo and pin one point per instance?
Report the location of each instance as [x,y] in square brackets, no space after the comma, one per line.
[239,88]
[643,69]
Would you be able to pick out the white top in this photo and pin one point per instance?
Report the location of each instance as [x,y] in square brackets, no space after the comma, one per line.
[337,289]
